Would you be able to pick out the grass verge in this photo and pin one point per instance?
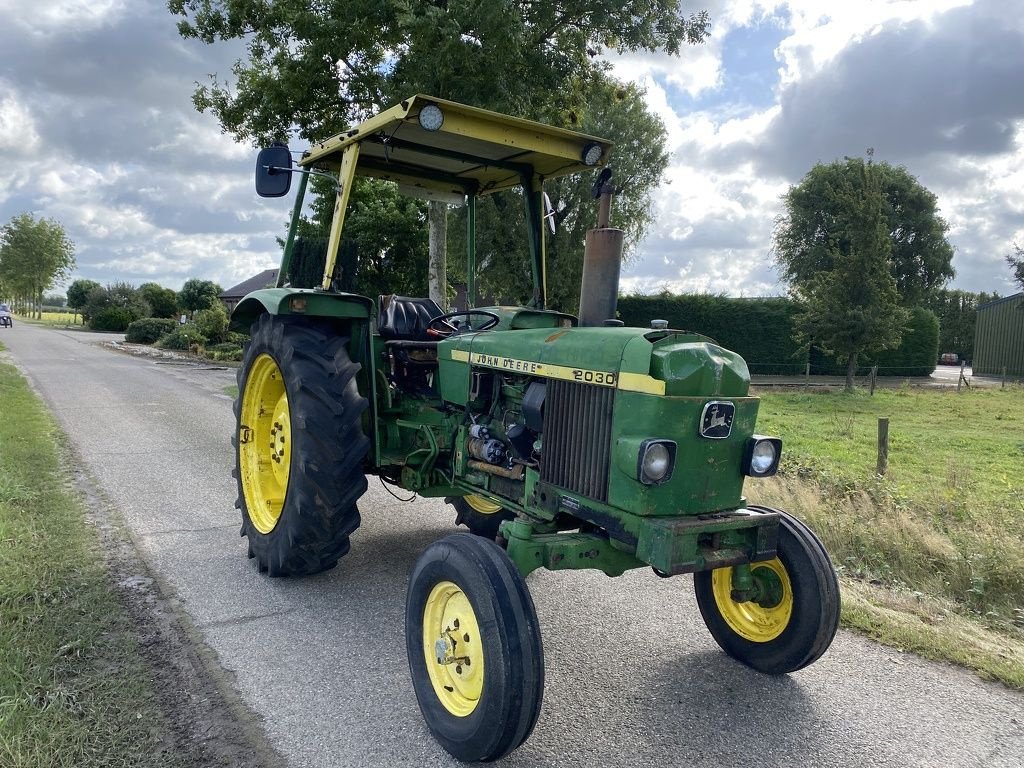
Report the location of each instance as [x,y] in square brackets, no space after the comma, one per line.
[933,553]
[73,689]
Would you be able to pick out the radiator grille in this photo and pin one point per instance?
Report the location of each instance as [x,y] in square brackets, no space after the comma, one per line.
[577,437]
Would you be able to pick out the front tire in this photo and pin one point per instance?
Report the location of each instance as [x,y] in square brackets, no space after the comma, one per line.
[793,627]
[299,445]
[474,647]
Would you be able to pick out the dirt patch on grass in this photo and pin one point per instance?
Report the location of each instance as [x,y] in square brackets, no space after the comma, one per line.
[206,723]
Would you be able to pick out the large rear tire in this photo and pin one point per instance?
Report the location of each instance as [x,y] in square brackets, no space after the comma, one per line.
[474,646]
[795,624]
[299,445]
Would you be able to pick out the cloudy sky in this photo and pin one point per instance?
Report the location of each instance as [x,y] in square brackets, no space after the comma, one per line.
[97,130]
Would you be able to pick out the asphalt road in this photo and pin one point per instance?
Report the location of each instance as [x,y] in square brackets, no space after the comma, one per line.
[633,677]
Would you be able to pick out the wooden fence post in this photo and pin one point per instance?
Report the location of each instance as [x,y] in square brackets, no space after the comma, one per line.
[807,377]
[960,380]
[1003,385]
[874,373]
[883,447]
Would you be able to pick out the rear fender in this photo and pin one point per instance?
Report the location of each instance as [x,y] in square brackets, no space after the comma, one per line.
[302,302]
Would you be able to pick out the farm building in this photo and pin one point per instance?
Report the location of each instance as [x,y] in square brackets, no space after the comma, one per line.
[999,337]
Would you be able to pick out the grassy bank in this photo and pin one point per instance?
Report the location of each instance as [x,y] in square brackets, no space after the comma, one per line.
[73,691]
[943,532]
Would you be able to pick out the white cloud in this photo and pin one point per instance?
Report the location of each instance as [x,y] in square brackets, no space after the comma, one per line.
[932,85]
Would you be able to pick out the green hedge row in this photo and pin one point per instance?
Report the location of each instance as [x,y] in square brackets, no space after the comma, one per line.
[761,331]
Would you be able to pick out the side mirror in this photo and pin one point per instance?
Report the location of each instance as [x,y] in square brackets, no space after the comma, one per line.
[274,171]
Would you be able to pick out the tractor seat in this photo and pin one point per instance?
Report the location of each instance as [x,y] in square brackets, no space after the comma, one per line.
[411,353]
[405,319]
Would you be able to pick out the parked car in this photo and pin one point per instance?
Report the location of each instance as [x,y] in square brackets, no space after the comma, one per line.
[949,358]
[6,320]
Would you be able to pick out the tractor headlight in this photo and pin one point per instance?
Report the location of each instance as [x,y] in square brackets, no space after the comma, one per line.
[591,154]
[655,462]
[431,118]
[762,455]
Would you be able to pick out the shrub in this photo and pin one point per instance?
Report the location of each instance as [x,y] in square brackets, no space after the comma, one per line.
[212,322]
[119,296]
[183,337]
[150,329]
[224,351]
[111,319]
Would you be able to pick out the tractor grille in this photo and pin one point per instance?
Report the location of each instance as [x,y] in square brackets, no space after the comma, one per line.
[577,437]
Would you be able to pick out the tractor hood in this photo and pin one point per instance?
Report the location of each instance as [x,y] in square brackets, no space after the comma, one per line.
[672,363]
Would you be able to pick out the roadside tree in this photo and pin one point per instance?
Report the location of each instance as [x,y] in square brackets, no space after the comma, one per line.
[34,255]
[78,296]
[842,272]
[163,302]
[198,294]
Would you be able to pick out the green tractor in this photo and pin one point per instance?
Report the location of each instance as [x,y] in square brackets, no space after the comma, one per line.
[561,444]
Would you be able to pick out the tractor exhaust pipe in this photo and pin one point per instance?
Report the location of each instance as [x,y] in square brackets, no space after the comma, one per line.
[602,261]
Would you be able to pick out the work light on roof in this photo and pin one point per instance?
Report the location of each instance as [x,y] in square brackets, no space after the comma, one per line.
[431,118]
[592,153]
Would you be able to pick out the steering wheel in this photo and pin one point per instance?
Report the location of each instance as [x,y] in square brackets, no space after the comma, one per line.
[440,327]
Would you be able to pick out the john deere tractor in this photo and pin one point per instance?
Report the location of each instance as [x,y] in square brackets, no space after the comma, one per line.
[562,444]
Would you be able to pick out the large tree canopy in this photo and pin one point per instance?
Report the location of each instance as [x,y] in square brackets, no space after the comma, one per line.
[842,274]
[34,255]
[317,67]
[813,233]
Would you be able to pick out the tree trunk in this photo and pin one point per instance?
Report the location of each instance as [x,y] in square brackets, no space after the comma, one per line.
[851,368]
[437,277]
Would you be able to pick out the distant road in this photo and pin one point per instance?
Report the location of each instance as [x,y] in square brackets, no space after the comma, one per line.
[942,376]
[633,677]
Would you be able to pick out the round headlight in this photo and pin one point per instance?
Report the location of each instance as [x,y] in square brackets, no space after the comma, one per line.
[592,154]
[657,462]
[431,117]
[762,457]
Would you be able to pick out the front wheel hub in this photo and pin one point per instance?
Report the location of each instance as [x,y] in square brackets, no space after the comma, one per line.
[766,613]
[453,649]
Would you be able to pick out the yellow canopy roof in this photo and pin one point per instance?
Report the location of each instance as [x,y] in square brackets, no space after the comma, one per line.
[474,151]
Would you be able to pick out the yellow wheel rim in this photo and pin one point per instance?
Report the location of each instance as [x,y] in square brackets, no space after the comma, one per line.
[753,621]
[482,505]
[453,649]
[264,443]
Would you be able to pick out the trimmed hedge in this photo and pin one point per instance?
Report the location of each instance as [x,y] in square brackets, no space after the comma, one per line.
[150,329]
[112,319]
[915,356]
[761,331]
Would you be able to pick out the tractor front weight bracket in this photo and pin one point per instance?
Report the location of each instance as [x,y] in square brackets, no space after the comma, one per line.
[530,550]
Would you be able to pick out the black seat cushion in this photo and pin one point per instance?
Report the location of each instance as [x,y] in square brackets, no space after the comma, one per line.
[406,318]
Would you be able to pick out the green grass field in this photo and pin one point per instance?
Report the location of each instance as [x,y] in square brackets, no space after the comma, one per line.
[943,531]
[73,691]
